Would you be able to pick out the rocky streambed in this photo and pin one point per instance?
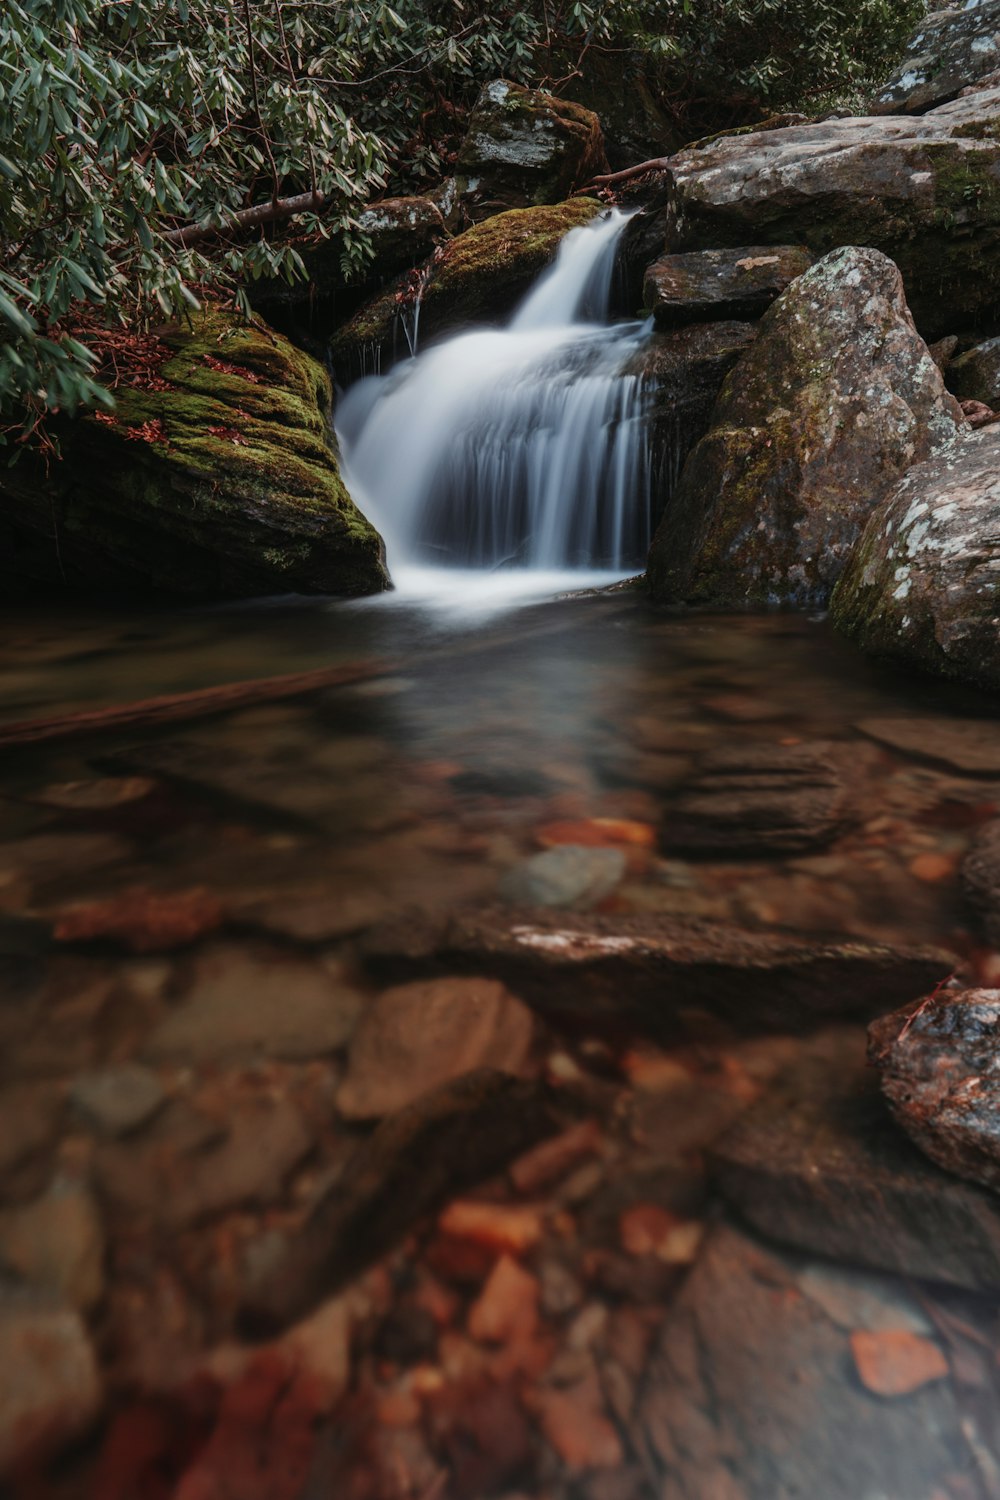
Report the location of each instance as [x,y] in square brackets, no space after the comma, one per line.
[454,1083]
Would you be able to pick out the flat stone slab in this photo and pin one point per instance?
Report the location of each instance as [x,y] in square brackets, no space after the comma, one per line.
[706,284]
[649,973]
[756,1389]
[819,1163]
[242,1005]
[970,745]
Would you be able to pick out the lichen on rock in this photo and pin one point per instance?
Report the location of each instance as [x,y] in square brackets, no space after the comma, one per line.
[836,398]
[216,479]
[524,146]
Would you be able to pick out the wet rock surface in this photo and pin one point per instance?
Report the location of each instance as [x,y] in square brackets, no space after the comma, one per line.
[836,398]
[919,188]
[745,1396]
[952,49]
[736,284]
[759,800]
[660,968]
[820,1164]
[420,1035]
[940,1068]
[920,586]
[981,880]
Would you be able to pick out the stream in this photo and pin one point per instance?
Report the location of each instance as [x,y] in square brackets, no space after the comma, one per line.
[196,920]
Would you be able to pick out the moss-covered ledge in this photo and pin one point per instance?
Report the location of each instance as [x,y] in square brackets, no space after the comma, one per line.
[215,477]
[477,278]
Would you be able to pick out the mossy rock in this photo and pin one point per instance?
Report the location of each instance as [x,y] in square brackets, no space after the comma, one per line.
[477,278]
[524,146]
[219,482]
[923,584]
[835,399]
[924,190]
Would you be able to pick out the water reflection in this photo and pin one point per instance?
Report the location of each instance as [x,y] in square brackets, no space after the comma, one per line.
[225,944]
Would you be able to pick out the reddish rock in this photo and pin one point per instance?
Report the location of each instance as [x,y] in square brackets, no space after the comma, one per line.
[553,1159]
[493,1224]
[417,1036]
[575,1423]
[894,1362]
[940,1066]
[508,1306]
[142,920]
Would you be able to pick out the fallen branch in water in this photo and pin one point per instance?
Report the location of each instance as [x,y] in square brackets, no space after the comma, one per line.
[655,164]
[177,707]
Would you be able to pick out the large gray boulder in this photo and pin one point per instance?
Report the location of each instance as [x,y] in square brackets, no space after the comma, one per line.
[923,584]
[950,50]
[832,403]
[925,190]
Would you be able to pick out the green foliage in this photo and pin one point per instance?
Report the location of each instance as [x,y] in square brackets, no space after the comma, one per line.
[124,120]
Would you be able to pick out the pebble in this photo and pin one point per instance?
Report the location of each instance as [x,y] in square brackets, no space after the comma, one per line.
[508,1305]
[570,875]
[118,1100]
[57,1245]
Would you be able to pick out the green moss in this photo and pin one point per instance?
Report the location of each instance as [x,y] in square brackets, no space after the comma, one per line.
[478,277]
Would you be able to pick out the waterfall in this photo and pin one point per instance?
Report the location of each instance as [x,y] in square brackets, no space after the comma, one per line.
[521,447]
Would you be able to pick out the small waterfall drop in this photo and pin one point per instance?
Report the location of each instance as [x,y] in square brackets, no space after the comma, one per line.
[521,448]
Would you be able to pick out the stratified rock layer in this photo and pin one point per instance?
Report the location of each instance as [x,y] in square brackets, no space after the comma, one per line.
[925,190]
[834,401]
[706,284]
[923,584]
[940,1065]
[218,480]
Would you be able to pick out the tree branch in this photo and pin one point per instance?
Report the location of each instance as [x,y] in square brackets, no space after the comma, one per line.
[243,219]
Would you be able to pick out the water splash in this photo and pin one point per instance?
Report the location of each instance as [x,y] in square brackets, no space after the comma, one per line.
[523,447]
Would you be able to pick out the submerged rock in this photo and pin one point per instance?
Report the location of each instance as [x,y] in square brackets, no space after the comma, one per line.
[50,1388]
[721,283]
[436,1148]
[925,190]
[950,50]
[524,146]
[746,1396]
[819,1163]
[417,1036]
[758,799]
[971,746]
[657,975]
[477,278]
[216,480]
[981,879]
[923,582]
[834,401]
[570,875]
[940,1066]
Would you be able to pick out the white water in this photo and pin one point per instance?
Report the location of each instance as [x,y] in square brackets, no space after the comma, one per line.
[522,449]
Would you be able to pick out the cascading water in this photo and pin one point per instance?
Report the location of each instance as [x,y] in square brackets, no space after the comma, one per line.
[522,448]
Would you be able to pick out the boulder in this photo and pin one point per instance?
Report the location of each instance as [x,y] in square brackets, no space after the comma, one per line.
[752,1392]
[819,1163]
[523,147]
[758,800]
[834,401]
[706,284]
[981,880]
[923,583]
[950,50]
[214,478]
[653,974]
[975,375]
[940,1068]
[923,189]
[479,277]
